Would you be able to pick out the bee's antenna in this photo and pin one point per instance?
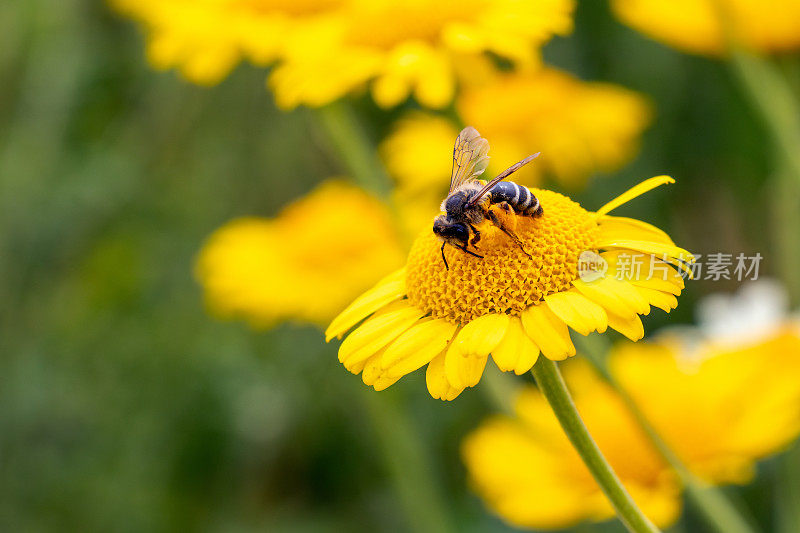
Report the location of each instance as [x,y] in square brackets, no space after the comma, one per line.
[516,166]
[446,266]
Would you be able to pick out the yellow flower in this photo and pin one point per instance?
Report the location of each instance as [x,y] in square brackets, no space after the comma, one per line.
[304,265]
[508,303]
[528,473]
[418,154]
[579,127]
[401,48]
[700,26]
[205,39]
[706,412]
[720,408]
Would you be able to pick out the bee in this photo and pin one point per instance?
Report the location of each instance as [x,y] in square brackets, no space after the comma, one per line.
[470,200]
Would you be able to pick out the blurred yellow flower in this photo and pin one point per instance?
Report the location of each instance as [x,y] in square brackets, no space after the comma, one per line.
[328,48]
[411,47]
[702,403]
[304,265]
[205,39]
[419,154]
[527,472]
[706,412]
[509,302]
[705,26]
[580,128]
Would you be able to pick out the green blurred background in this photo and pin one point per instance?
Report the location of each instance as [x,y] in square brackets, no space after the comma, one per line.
[125,407]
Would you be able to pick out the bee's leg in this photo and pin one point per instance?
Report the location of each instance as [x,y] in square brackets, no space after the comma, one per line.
[496,221]
[446,266]
[475,237]
[464,248]
[505,206]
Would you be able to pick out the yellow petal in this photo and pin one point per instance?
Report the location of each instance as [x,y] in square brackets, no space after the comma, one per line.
[372,369]
[663,300]
[417,346]
[516,350]
[658,285]
[614,295]
[385,291]
[633,192]
[577,311]
[643,269]
[630,326]
[526,361]
[467,355]
[677,255]
[384,382]
[463,371]
[481,335]
[356,367]
[612,228]
[376,333]
[548,331]
[436,379]
[390,90]
[374,376]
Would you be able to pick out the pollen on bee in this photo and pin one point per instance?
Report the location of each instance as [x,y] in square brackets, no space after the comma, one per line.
[506,216]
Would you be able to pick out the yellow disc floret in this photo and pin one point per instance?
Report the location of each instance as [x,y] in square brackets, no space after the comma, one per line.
[506,280]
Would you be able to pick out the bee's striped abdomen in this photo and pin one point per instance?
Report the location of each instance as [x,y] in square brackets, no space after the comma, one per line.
[517,196]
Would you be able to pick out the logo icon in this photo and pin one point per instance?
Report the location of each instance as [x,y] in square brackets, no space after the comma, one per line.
[591,266]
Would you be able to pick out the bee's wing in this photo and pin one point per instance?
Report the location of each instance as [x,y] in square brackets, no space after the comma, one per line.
[470,157]
[500,177]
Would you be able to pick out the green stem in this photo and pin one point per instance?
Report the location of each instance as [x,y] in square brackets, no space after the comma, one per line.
[788,494]
[555,391]
[357,151]
[408,464]
[712,502]
[773,99]
[784,192]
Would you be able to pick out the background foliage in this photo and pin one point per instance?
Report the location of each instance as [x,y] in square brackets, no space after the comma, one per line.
[126,407]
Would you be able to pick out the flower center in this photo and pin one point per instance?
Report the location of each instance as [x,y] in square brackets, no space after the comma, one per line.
[506,280]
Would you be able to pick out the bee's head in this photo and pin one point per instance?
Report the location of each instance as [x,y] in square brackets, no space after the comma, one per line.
[445,228]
